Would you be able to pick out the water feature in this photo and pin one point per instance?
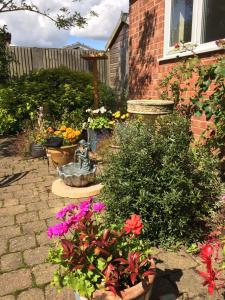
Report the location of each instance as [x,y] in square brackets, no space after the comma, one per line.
[82,171]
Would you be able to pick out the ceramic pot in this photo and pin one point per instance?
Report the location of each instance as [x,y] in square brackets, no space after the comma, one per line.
[37,150]
[62,155]
[140,291]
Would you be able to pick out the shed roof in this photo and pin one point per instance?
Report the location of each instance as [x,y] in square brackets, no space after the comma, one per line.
[124,19]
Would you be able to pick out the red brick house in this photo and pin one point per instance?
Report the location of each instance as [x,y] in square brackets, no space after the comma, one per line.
[155,26]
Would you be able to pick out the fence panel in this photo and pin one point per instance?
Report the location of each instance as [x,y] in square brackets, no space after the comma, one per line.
[27,60]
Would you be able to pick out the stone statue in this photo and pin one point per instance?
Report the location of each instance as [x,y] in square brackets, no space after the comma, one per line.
[81,154]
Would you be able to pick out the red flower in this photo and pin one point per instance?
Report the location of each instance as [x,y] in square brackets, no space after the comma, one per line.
[133,224]
[176,46]
[206,252]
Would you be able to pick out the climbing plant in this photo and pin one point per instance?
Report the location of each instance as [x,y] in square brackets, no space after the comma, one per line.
[205,85]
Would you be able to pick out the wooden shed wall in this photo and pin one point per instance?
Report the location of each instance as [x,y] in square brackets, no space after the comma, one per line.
[118,61]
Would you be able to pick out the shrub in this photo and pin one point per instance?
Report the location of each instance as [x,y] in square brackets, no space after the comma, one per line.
[60,91]
[156,174]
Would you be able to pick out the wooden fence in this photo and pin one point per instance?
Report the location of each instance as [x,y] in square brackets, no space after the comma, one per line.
[27,60]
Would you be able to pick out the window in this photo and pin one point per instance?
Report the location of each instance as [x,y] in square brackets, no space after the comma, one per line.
[197,23]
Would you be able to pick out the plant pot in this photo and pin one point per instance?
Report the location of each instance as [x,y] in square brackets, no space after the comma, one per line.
[62,155]
[37,150]
[94,136]
[141,291]
[54,141]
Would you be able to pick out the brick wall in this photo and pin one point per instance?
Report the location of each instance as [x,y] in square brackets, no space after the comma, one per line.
[146,42]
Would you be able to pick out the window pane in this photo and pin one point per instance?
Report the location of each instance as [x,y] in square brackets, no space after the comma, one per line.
[181,21]
[213,25]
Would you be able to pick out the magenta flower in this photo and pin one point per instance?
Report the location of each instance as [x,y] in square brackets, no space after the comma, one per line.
[84,206]
[62,213]
[58,229]
[99,206]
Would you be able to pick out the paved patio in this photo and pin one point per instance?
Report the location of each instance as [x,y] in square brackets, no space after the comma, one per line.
[27,207]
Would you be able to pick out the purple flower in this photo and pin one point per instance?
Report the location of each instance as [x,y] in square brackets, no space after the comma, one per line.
[58,229]
[99,206]
[84,206]
[62,213]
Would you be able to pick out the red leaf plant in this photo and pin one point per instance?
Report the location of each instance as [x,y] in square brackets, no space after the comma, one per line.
[93,257]
[211,255]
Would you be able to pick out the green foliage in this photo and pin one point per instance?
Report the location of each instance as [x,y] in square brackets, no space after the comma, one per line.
[64,95]
[5,57]
[156,174]
[207,83]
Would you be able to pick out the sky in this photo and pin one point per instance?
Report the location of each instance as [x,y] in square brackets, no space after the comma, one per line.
[29,29]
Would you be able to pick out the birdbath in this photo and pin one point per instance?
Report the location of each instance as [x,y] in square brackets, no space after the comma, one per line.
[94,57]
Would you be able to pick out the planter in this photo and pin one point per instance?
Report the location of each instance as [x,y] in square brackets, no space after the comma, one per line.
[95,136]
[140,291]
[150,109]
[37,150]
[62,155]
[54,141]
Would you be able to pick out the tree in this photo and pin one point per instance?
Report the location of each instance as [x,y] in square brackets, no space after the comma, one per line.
[63,19]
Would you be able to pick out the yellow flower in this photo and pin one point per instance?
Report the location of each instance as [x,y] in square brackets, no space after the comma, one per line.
[111,122]
[123,117]
[77,132]
[57,132]
[127,115]
[69,129]
[117,114]
[62,128]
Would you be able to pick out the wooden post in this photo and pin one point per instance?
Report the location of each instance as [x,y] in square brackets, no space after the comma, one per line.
[95,84]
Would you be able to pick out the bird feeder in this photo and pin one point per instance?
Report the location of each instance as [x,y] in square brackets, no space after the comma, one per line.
[94,57]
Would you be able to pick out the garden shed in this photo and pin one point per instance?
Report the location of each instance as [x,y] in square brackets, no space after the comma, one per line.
[117,47]
[157,28]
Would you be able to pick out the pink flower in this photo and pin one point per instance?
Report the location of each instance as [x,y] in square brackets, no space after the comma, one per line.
[99,206]
[58,229]
[62,213]
[223,197]
[84,206]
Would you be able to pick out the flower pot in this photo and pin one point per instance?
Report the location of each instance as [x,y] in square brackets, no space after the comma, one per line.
[37,150]
[95,136]
[140,291]
[54,141]
[62,155]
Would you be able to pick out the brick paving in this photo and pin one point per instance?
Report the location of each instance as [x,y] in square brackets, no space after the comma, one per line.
[27,208]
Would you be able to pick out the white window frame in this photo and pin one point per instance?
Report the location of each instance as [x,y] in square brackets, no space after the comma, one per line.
[171,52]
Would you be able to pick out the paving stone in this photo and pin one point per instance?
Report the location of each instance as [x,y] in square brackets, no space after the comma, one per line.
[44,273]
[6,221]
[14,281]
[176,260]
[3,246]
[52,293]
[12,210]
[22,243]
[11,202]
[43,239]
[29,199]
[9,297]
[37,206]
[51,221]
[6,195]
[26,217]
[1,203]
[11,261]
[32,294]
[36,256]
[10,231]
[48,213]
[36,227]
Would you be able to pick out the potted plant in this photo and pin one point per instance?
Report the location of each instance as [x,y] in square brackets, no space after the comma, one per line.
[63,154]
[98,262]
[37,136]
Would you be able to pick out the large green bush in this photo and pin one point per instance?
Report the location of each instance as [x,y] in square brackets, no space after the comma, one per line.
[157,174]
[63,94]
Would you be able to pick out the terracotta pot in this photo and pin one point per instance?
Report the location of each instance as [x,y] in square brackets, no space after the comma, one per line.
[62,155]
[140,291]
